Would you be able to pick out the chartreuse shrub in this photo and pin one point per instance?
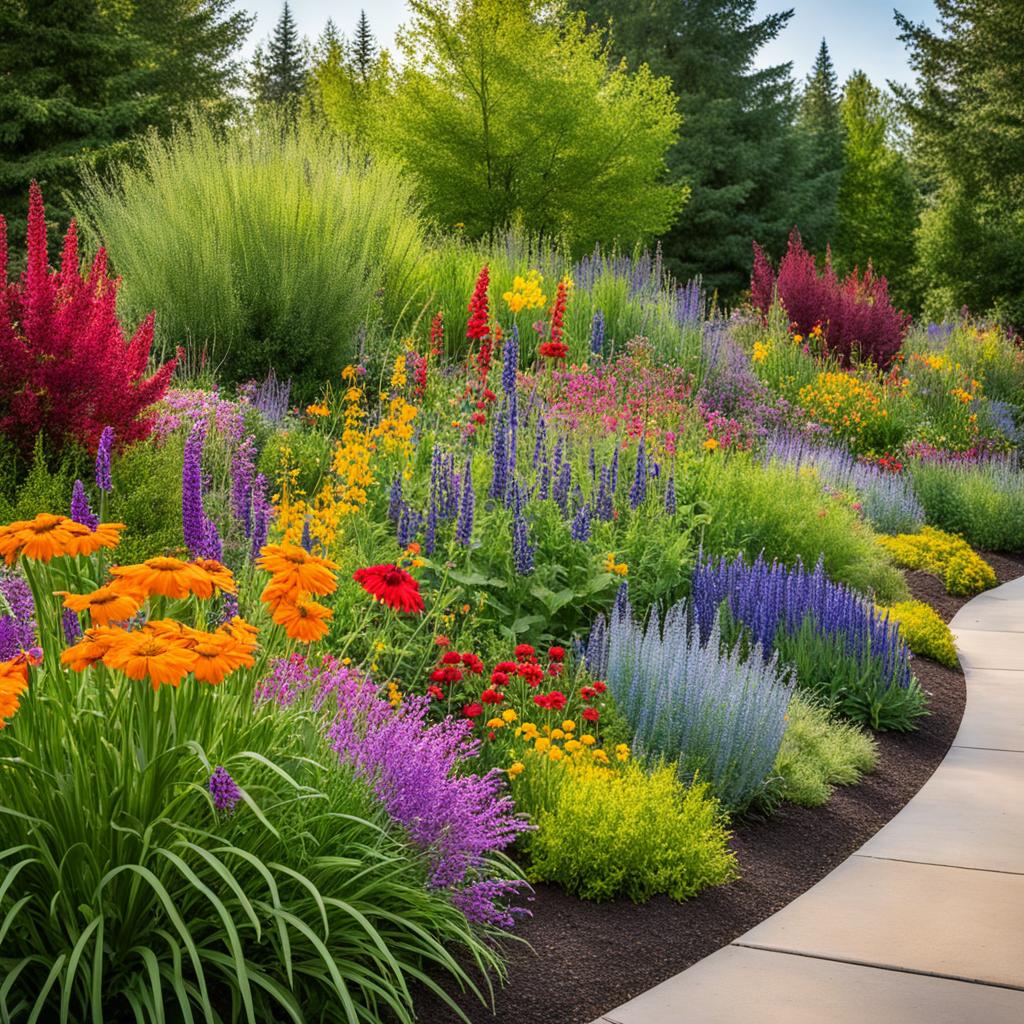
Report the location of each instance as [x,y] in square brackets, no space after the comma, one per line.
[172,850]
[950,558]
[271,245]
[819,752]
[775,510]
[924,631]
[983,502]
[626,832]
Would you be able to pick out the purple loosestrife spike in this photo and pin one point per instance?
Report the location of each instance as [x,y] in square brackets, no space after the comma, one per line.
[464,525]
[638,491]
[597,333]
[192,515]
[103,481]
[80,511]
[224,791]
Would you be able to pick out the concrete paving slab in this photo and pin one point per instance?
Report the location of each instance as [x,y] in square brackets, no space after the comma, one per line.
[952,922]
[763,987]
[992,614]
[966,815]
[989,649]
[995,711]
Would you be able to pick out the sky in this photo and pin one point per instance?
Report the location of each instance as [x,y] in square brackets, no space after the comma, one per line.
[860,35]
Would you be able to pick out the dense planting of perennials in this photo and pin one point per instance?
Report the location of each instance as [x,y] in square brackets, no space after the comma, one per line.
[841,647]
[718,713]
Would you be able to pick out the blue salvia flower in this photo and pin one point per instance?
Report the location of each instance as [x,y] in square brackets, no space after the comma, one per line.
[510,363]
[544,485]
[580,529]
[670,496]
[409,524]
[499,459]
[597,333]
[638,491]
[307,538]
[261,515]
[522,551]
[621,606]
[72,627]
[689,303]
[395,498]
[615,470]
[562,487]
[464,525]
[604,508]
[80,510]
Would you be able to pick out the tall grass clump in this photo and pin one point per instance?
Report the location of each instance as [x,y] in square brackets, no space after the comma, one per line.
[717,713]
[266,246]
[981,501]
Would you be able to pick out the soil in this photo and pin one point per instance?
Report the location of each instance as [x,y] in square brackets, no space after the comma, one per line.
[582,959]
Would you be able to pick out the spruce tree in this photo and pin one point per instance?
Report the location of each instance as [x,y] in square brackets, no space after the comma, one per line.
[737,149]
[966,110]
[280,70]
[364,48]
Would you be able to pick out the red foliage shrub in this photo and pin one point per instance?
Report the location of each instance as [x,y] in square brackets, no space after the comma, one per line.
[66,367]
[857,318]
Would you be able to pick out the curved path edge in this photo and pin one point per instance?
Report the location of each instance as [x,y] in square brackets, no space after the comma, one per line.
[924,924]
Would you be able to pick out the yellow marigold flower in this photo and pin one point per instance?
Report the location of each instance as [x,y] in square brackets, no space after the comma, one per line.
[509,715]
[573,745]
[557,734]
[555,754]
[760,353]
[516,769]
[541,744]
[568,725]
[710,444]
[587,740]
[600,756]
[496,723]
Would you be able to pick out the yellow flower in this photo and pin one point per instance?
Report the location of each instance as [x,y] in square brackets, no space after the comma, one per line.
[760,352]
[542,744]
[568,725]
[509,715]
[516,769]
[797,338]
[622,752]
[557,734]
[318,409]
[529,730]
[587,740]
[600,756]
[610,565]
[710,444]
[496,723]
[573,745]
[555,754]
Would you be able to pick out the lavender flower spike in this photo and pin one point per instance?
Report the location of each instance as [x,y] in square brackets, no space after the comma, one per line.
[464,525]
[224,790]
[80,510]
[103,481]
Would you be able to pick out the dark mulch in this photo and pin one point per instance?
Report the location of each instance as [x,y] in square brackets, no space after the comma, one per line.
[585,958]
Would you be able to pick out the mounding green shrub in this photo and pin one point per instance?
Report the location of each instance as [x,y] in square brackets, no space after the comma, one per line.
[268,245]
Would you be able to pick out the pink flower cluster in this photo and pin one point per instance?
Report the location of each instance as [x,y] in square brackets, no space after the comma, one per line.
[185,406]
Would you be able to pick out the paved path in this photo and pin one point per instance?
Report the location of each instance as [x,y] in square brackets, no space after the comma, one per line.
[924,924]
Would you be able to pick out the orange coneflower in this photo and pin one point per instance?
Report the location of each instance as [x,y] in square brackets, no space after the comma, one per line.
[303,620]
[217,655]
[45,537]
[169,577]
[91,648]
[294,567]
[174,631]
[110,603]
[143,654]
[220,575]
[87,542]
[278,592]
[13,683]
[244,632]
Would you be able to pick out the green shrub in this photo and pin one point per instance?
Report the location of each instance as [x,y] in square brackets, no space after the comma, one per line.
[267,246]
[626,833]
[776,510]
[44,488]
[819,752]
[924,631]
[983,502]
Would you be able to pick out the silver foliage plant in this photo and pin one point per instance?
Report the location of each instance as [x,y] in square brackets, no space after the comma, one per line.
[720,714]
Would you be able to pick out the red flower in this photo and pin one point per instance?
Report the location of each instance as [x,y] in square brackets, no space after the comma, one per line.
[588,692]
[499,678]
[480,417]
[442,641]
[451,658]
[532,675]
[492,735]
[553,701]
[473,663]
[437,333]
[524,651]
[477,328]
[505,666]
[489,395]
[558,316]
[392,586]
[492,697]
[472,710]
[599,686]
[591,714]
[436,692]
[557,653]
[555,669]
[553,350]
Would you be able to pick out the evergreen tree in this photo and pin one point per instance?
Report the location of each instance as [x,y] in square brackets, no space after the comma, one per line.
[364,48]
[966,110]
[280,71]
[877,201]
[738,150]
[821,126]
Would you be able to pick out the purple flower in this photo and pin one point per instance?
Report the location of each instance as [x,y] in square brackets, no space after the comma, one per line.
[597,333]
[638,491]
[261,512]
[580,529]
[410,522]
[306,541]
[242,473]
[499,459]
[430,536]
[17,616]
[224,790]
[510,363]
[464,525]
[103,481]
[562,487]
[201,536]
[72,627]
[80,511]
[522,551]
[670,496]
[395,498]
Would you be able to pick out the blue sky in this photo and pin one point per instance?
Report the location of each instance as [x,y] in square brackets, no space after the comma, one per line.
[860,35]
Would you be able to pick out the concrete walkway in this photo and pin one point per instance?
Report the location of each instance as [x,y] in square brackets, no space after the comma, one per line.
[925,923]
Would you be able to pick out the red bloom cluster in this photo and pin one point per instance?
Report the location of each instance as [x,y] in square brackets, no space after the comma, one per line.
[419,374]
[66,367]
[391,586]
[478,329]
[437,334]
[554,347]
[553,701]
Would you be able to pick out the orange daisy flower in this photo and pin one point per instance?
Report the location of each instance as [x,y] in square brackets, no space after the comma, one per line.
[92,647]
[278,592]
[174,631]
[305,621]
[13,683]
[295,567]
[144,655]
[87,542]
[217,655]
[169,577]
[45,537]
[244,632]
[110,603]
[220,575]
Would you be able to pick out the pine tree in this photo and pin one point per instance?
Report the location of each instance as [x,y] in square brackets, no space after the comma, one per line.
[821,127]
[966,110]
[364,48]
[280,70]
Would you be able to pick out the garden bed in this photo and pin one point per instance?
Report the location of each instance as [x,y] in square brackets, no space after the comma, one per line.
[584,958]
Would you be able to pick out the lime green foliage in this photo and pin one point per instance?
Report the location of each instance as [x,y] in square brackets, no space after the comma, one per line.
[950,558]
[43,487]
[776,510]
[982,502]
[628,833]
[924,631]
[502,111]
[819,752]
[265,246]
